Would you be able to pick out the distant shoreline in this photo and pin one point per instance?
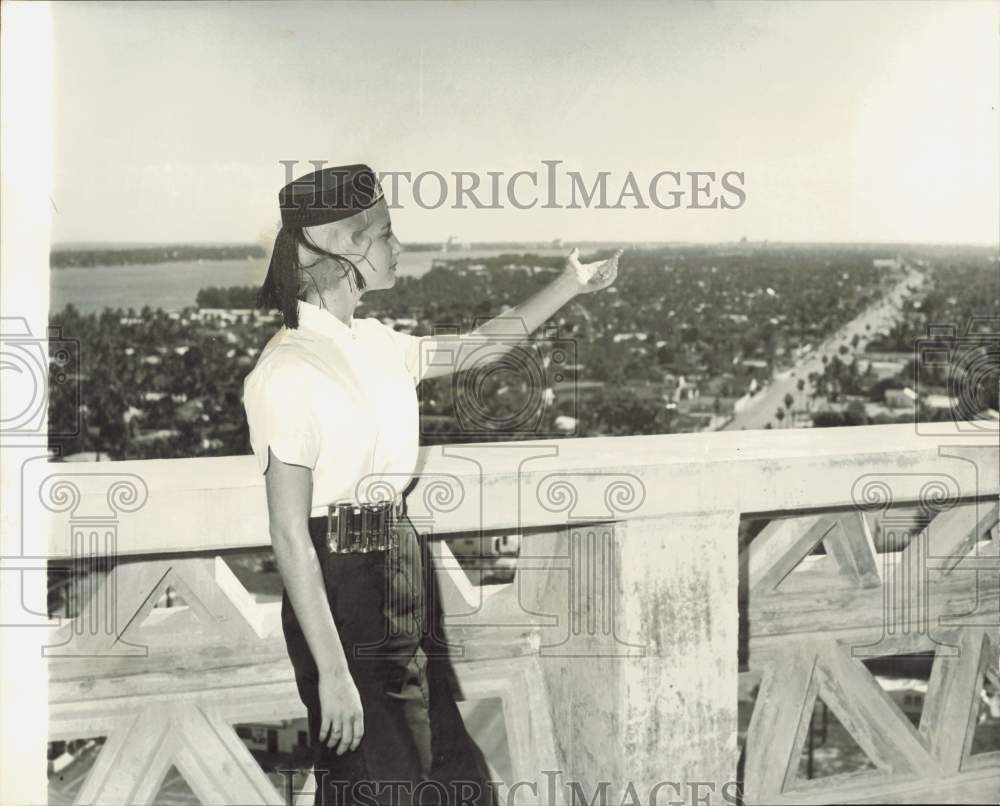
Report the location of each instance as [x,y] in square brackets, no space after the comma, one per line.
[78,256]
[98,255]
[132,255]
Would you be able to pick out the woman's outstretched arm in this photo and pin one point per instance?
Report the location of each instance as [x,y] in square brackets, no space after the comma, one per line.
[289,499]
[494,338]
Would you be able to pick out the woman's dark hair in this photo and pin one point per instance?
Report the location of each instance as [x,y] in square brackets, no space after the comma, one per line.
[288,280]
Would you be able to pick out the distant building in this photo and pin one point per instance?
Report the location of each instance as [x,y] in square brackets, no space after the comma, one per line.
[684,390]
[940,402]
[154,436]
[565,423]
[695,421]
[897,358]
[85,456]
[636,336]
[454,244]
[886,369]
[231,315]
[506,544]
[907,693]
[190,411]
[286,736]
[495,546]
[580,390]
[900,398]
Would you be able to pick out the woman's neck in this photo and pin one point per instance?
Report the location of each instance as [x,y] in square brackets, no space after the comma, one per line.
[336,302]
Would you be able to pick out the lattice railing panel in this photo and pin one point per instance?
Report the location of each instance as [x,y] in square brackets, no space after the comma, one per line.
[814,618]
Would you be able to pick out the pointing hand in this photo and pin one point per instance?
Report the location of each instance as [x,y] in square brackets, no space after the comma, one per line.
[591,277]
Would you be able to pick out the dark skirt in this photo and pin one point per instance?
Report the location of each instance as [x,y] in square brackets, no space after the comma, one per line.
[386,609]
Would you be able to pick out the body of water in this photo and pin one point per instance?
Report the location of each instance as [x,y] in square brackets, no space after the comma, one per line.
[173,286]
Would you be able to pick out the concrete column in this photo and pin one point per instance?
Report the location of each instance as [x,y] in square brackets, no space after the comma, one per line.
[641,665]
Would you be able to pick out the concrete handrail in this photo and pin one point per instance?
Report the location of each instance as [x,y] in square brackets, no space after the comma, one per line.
[210,504]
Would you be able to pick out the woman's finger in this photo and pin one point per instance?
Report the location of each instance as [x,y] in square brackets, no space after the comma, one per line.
[336,731]
[573,258]
[359,731]
[346,737]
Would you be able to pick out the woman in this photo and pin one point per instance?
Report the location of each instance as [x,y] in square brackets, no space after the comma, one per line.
[332,411]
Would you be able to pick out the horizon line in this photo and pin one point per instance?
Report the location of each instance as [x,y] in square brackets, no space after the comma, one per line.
[567,243]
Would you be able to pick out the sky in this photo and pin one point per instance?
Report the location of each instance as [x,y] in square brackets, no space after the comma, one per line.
[847,121]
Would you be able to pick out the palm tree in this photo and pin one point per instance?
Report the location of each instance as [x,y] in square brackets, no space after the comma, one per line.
[801,385]
[788,401]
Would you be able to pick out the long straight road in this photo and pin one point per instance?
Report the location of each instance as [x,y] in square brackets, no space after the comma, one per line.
[882,314]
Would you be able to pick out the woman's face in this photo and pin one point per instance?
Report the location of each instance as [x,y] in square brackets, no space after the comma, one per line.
[376,249]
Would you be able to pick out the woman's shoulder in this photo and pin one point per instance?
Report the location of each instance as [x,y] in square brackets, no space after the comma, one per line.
[282,362]
[369,324]
[372,329]
[378,329]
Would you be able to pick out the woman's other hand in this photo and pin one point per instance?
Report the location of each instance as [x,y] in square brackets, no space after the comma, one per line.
[342,723]
[590,277]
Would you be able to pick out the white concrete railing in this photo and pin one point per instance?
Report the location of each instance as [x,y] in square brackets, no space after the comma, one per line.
[615,650]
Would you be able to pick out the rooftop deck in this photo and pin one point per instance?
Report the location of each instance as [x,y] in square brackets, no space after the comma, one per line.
[619,648]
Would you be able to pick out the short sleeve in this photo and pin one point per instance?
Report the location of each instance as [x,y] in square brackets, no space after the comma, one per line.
[280,415]
[410,348]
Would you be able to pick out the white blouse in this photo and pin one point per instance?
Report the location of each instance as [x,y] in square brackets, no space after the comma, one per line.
[340,400]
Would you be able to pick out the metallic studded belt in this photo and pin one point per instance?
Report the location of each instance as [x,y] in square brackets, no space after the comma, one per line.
[352,528]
